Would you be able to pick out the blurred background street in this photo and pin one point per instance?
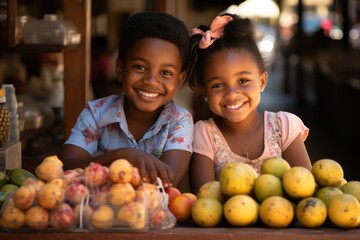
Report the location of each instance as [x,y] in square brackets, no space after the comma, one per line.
[323,140]
[311,49]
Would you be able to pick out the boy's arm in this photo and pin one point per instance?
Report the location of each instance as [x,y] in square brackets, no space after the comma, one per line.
[73,156]
[178,160]
[178,148]
[149,166]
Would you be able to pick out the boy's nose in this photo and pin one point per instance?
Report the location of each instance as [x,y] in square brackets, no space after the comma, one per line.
[151,77]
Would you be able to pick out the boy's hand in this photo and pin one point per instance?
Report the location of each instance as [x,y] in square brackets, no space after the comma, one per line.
[150,167]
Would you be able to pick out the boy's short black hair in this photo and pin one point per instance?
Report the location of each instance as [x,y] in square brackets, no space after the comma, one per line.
[154,25]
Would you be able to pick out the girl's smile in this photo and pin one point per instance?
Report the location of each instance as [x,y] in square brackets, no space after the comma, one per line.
[233,84]
[234,107]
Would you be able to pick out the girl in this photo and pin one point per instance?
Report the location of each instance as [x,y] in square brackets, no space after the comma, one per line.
[142,124]
[226,67]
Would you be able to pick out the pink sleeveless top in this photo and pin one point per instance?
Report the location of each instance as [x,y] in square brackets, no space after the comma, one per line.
[280,129]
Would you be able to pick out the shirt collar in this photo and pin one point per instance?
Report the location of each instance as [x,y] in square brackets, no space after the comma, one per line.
[115,114]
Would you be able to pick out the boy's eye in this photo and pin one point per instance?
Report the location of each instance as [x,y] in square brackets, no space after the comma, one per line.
[139,67]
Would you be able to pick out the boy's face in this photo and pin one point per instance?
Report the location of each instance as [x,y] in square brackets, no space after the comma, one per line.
[151,74]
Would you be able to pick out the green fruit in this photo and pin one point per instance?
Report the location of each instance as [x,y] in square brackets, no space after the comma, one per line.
[2,175]
[2,182]
[2,198]
[17,176]
[9,188]
[2,179]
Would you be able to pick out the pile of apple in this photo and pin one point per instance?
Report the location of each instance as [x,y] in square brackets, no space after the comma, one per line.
[96,198]
[180,204]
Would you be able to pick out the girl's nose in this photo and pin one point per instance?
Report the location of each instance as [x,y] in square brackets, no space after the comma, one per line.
[232,92]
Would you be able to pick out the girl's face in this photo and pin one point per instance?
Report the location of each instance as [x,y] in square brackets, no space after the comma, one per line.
[233,84]
[151,74]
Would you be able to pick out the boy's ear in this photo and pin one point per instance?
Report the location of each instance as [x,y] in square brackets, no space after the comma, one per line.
[182,78]
[119,69]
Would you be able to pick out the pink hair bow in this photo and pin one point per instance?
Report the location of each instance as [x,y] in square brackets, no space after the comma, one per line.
[216,31]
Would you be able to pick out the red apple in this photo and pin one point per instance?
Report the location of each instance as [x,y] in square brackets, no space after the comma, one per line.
[180,207]
[96,174]
[136,178]
[172,192]
[162,218]
[62,217]
[75,192]
[191,196]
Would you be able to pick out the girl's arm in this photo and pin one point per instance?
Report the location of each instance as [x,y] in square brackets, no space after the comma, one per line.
[296,153]
[201,171]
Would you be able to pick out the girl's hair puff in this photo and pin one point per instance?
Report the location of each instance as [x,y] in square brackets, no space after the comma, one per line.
[154,25]
[238,35]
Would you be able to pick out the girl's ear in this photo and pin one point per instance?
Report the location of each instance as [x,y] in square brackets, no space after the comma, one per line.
[263,80]
[202,91]
[119,69]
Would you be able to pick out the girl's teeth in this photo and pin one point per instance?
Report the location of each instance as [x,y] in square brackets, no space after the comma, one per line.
[147,94]
[233,106]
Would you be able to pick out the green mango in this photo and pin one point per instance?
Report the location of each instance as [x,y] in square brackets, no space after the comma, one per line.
[8,188]
[2,199]
[17,176]
[2,178]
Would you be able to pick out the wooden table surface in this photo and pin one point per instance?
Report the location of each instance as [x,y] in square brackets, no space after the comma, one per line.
[183,233]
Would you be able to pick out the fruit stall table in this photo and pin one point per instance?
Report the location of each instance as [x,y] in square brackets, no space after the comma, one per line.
[191,232]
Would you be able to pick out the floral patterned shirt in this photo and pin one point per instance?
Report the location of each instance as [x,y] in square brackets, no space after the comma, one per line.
[102,127]
[280,129]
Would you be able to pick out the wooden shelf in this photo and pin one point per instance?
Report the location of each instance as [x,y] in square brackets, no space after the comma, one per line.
[76,62]
[38,48]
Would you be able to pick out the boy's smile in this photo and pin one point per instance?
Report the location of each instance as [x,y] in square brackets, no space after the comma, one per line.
[151,74]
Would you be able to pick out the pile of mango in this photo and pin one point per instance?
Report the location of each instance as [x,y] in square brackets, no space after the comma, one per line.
[11,180]
[280,196]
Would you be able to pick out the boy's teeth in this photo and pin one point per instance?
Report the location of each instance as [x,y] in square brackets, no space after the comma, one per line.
[147,94]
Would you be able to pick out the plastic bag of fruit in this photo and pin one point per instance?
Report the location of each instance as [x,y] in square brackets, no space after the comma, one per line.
[160,216]
[96,198]
[37,205]
[122,202]
[123,207]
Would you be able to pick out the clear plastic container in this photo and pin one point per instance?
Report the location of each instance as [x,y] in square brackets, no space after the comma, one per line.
[50,30]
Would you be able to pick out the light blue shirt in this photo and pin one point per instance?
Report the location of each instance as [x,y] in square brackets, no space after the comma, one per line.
[102,127]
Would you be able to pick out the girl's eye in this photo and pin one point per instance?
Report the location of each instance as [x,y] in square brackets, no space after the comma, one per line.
[243,81]
[167,73]
[218,85]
